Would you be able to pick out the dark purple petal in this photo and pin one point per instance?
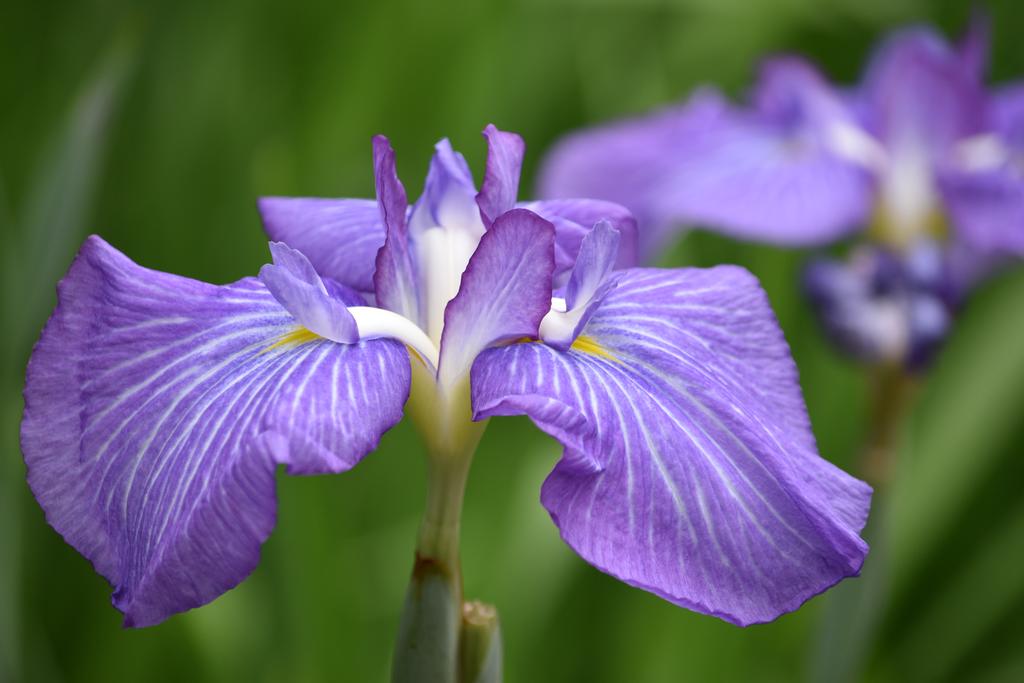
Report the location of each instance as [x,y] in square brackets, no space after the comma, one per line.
[156,411]
[501,179]
[395,277]
[919,94]
[295,284]
[505,291]
[340,237]
[689,468]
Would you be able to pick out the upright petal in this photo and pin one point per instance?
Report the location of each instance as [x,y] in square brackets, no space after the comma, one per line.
[156,410]
[449,194]
[340,237]
[505,291]
[395,276]
[920,95]
[975,46]
[689,467]
[501,179]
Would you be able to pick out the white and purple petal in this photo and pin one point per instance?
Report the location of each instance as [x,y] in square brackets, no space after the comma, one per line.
[340,237]
[689,468]
[157,409]
[504,294]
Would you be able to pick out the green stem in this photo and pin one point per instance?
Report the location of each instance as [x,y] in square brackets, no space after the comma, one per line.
[855,608]
[427,649]
[892,397]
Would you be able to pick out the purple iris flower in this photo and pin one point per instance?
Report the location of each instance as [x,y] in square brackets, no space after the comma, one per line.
[920,141]
[158,407]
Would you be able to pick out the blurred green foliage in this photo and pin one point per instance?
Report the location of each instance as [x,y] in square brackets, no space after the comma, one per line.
[157,125]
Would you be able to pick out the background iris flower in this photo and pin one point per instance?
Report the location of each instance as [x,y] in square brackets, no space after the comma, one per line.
[919,143]
[158,407]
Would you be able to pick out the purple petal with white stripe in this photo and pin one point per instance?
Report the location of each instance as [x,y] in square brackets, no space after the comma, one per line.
[340,237]
[501,179]
[157,409]
[395,276]
[295,284]
[504,294]
[689,467]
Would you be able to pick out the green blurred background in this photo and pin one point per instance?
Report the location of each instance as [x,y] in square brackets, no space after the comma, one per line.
[157,125]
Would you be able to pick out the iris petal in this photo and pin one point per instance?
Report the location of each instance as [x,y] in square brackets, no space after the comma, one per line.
[501,179]
[339,236]
[395,276]
[689,467]
[156,411]
[504,294]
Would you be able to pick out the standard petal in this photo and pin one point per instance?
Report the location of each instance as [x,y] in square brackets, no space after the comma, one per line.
[920,95]
[501,179]
[339,236]
[395,277]
[156,410]
[505,291]
[689,467]
[449,194]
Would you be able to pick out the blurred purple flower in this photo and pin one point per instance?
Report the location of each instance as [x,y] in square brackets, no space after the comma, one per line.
[158,407]
[806,163]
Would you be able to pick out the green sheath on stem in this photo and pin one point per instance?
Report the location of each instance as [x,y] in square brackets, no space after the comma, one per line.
[439,642]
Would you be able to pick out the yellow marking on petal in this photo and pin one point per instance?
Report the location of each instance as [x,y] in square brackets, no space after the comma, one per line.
[300,335]
[585,344]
